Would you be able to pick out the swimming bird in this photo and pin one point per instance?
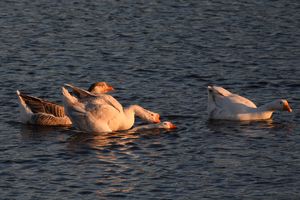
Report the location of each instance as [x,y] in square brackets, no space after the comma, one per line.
[223,104]
[161,125]
[42,112]
[102,113]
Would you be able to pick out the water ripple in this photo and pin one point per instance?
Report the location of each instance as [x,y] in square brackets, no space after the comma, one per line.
[161,55]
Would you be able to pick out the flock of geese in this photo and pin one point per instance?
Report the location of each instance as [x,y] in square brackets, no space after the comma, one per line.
[94,110]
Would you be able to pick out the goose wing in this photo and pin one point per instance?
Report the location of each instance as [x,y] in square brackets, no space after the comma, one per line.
[219,90]
[38,105]
[105,113]
[79,92]
[110,100]
[228,97]
[97,99]
[237,99]
[92,113]
[226,105]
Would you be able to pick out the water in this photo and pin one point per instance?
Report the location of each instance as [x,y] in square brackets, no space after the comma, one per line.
[161,55]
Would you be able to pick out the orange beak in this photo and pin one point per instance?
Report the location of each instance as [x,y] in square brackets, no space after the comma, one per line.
[109,88]
[157,119]
[172,126]
[287,107]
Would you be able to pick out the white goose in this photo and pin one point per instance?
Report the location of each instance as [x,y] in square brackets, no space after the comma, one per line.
[223,104]
[42,112]
[162,125]
[102,113]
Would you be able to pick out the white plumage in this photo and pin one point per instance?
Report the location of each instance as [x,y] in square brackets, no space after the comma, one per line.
[38,111]
[102,113]
[223,104]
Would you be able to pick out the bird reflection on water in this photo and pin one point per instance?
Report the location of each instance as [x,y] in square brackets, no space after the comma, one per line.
[122,157]
[120,139]
[36,132]
[115,159]
[97,141]
[250,128]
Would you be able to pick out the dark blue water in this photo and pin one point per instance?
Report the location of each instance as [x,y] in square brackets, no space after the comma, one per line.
[161,55]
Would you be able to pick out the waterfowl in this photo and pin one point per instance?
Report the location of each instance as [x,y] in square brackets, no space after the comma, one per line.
[102,113]
[162,125]
[38,111]
[223,104]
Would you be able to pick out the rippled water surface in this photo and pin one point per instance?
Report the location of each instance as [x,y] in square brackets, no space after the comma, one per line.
[161,55]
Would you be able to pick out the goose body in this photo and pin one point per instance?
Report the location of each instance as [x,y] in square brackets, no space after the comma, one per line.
[222,104]
[38,111]
[102,113]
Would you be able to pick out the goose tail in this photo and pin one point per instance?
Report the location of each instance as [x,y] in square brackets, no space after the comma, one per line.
[25,111]
[218,90]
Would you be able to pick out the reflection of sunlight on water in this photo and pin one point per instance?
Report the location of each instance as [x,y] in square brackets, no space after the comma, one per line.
[102,141]
[119,155]
[230,143]
[251,128]
[122,140]
[32,132]
[114,152]
[115,157]
[114,185]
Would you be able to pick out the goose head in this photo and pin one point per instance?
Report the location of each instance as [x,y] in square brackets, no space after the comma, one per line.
[168,125]
[100,87]
[282,105]
[147,115]
[152,117]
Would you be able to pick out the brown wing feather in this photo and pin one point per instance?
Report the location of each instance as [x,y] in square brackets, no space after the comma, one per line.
[50,120]
[38,105]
